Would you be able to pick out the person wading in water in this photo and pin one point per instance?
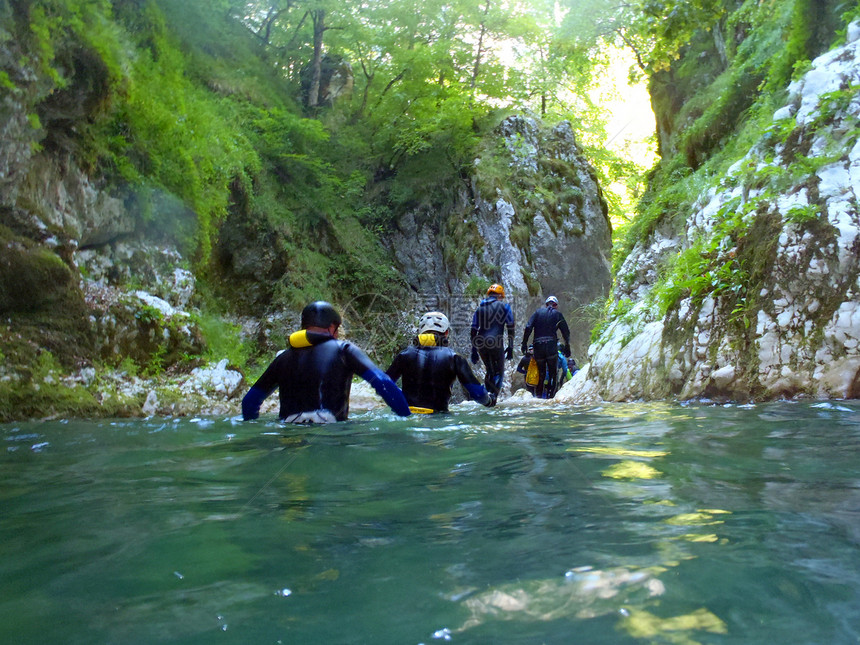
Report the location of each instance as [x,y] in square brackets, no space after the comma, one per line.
[489,322]
[546,323]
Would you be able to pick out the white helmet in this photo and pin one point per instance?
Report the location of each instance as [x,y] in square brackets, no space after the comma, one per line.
[433,321]
[552,300]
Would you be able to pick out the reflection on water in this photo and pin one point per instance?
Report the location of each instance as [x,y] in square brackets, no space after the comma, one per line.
[519,524]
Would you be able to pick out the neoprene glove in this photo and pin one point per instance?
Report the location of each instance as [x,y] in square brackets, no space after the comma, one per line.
[566,350]
[474,356]
[509,353]
[524,349]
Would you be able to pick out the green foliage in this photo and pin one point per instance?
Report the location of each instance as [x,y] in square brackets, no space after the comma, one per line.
[156,364]
[6,83]
[532,283]
[832,103]
[63,32]
[607,312]
[477,286]
[803,214]
[668,198]
[148,315]
[520,235]
[128,366]
[459,239]
[850,14]
[180,138]
[726,102]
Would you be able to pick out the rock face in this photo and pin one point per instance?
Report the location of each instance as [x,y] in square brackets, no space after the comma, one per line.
[783,318]
[76,276]
[546,234]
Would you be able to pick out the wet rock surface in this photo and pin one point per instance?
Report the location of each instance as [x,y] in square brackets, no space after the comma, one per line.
[795,332]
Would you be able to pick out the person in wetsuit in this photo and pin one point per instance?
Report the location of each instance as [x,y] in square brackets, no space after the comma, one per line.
[528,368]
[546,323]
[314,375]
[428,369]
[565,372]
[489,322]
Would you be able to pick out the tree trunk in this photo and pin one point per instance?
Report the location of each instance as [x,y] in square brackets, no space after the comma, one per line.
[318,16]
[476,69]
[720,44]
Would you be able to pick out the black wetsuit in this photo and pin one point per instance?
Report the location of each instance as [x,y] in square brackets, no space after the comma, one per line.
[427,374]
[545,323]
[314,378]
[489,322]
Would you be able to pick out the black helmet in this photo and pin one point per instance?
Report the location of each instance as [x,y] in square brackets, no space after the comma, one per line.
[320,314]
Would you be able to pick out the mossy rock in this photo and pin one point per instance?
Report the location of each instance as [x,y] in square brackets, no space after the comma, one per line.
[40,298]
[131,329]
[32,278]
[27,401]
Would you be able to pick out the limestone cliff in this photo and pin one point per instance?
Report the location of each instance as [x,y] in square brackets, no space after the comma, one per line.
[543,230]
[756,296]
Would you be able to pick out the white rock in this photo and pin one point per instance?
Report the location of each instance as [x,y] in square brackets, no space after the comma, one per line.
[724,376]
[853,32]
[834,180]
[150,406]
[785,112]
[215,379]
[795,200]
[162,305]
[838,377]
[784,319]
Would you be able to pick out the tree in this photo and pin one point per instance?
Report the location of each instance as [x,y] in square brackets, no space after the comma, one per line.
[318,19]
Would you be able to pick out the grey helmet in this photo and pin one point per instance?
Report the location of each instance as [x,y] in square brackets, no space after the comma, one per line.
[552,300]
[433,321]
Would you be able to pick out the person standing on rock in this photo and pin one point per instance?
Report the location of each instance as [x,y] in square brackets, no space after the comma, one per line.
[314,374]
[489,322]
[429,368]
[546,323]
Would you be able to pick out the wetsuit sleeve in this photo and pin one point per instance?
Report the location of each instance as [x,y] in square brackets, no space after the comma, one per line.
[527,332]
[470,383]
[360,364]
[524,361]
[395,370]
[565,330]
[264,386]
[565,333]
[509,323]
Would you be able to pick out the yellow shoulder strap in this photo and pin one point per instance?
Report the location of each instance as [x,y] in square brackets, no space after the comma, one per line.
[427,340]
[299,339]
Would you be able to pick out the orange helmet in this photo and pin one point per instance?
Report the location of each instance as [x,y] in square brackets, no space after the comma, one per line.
[496,290]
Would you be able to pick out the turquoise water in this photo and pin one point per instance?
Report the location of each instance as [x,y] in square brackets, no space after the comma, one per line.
[606,524]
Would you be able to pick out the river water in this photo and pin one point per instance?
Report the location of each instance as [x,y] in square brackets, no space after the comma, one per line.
[606,524]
